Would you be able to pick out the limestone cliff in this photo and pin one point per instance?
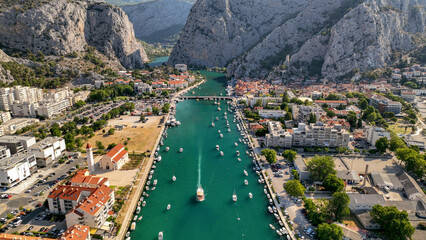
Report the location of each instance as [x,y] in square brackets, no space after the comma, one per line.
[160,20]
[59,27]
[327,37]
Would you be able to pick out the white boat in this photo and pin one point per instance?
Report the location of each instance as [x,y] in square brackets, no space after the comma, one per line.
[217,147]
[225,117]
[270,209]
[236,144]
[159,158]
[143,203]
[240,140]
[153,188]
[169,206]
[127,234]
[153,166]
[219,109]
[274,208]
[239,159]
[200,194]
[160,235]
[147,188]
[141,199]
[221,135]
[272,226]
[135,218]
[213,124]
[234,197]
[133,226]
[250,195]
[178,123]
[221,153]
[155,182]
[167,149]
[140,218]
[281,223]
[138,210]
[238,153]
[218,131]
[245,182]
[264,190]
[229,130]
[279,232]
[174,178]
[149,177]
[269,196]
[180,149]
[217,118]
[245,172]
[148,183]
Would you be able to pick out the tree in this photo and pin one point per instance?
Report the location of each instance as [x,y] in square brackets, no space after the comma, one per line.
[111,131]
[294,188]
[312,118]
[395,223]
[286,99]
[165,93]
[352,119]
[327,231]
[330,114]
[339,205]
[288,116]
[317,210]
[258,103]
[142,118]
[155,110]
[270,155]
[295,174]
[382,144]
[165,108]
[332,96]
[363,104]
[290,155]
[320,167]
[333,183]
[99,145]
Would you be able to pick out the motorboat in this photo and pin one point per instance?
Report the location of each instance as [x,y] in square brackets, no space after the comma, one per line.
[250,195]
[174,178]
[217,118]
[240,140]
[141,199]
[221,135]
[218,131]
[153,188]
[234,197]
[272,226]
[274,208]
[217,147]
[236,144]
[169,206]
[238,153]
[225,117]
[279,232]
[180,149]
[264,190]
[128,234]
[135,218]
[213,124]
[281,223]
[245,172]
[218,108]
[133,226]
[245,182]
[138,210]
[229,130]
[221,153]
[167,149]
[160,235]
[159,158]
[155,182]
[143,203]
[200,194]
[140,218]
[147,188]
[149,177]
[239,159]
[270,209]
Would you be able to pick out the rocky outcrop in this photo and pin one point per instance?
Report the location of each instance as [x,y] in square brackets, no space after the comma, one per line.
[160,20]
[59,27]
[328,37]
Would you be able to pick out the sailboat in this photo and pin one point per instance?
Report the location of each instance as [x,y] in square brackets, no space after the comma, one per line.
[174,178]
[212,122]
[169,206]
[234,197]
[250,195]
[160,235]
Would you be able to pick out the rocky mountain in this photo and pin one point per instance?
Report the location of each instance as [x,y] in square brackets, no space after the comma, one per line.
[60,27]
[328,37]
[160,20]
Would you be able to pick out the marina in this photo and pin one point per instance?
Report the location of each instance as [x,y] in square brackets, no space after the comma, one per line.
[210,211]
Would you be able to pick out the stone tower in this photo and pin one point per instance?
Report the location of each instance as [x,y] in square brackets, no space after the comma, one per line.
[90,160]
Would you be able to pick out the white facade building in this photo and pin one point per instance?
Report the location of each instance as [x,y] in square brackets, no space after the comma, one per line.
[5,116]
[52,108]
[269,113]
[48,150]
[374,133]
[15,168]
[278,137]
[319,135]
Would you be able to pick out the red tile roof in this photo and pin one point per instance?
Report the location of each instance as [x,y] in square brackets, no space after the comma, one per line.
[95,201]
[76,232]
[72,193]
[117,153]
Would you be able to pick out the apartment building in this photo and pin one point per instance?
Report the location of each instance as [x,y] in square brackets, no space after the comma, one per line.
[408,96]
[15,124]
[24,109]
[65,198]
[251,100]
[94,210]
[270,113]
[331,103]
[277,136]
[141,87]
[5,116]
[319,135]
[16,168]
[374,133]
[76,232]
[301,113]
[384,104]
[48,150]
[17,144]
[83,179]
[52,108]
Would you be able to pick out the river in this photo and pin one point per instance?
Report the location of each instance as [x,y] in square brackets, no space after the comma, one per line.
[218,217]
[158,61]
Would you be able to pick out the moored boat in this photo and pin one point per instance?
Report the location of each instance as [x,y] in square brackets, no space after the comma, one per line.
[160,235]
[174,178]
[169,206]
[221,153]
[234,197]
[246,182]
[250,195]
[133,226]
[180,149]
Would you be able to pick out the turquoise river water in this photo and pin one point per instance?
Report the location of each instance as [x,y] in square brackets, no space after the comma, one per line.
[218,217]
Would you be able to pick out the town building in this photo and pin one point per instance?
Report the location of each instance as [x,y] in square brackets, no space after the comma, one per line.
[384,104]
[114,159]
[301,113]
[5,116]
[277,136]
[17,144]
[52,108]
[76,232]
[15,124]
[94,210]
[319,135]
[270,113]
[83,179]
[373,134]
[408,96]
[181,67]
[178,84]
[349,176]
[48,150]
[365,201]
[16,168]
[301,168]
[64,198]
[4,152]
[251,100]
[386,180]
[331,103]
[411,189]
[141,87]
